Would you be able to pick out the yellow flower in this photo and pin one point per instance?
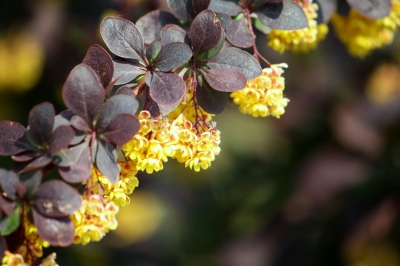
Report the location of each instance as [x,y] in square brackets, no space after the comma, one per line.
[300,40]
[94,219]
[263,96]
[11,259]
[361,35]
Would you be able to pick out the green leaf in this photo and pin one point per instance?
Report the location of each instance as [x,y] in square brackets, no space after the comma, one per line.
[260,26]
[14,221]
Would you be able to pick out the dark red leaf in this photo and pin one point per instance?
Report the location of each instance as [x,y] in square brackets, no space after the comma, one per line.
[122,38]
[56,231]
[56,199]
[12,140]
[200,5]
[182,9]
[100,61]
[41,121]
[126,71]
[80,124]
[225,7]
[63,158]
[239,34]
[152,51]
[374,9]
[236,59]
[6,205]
[125,91]
[283,16]
[213,51]
[212,101]
[106,161]
[151,24]
[60,139]
[121,129]
[173,55]
[80,170]
[83,93]
[173,33]
[37,163]
[116,105]
[225,79]
[9,182]
[205,31]
[3,247]
[167,88]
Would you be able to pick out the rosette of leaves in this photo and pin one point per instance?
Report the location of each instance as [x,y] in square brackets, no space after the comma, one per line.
[41,144]
[103,127]
[266,14]
[49,203]
[155,63]
[215,72]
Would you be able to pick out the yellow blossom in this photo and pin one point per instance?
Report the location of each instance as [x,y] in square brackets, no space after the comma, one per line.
[11,259]
[361,35]
[94,219]
[263,96]
[300,40]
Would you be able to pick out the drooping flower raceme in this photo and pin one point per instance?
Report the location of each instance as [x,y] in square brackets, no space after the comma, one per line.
[263,96]
[362,35]
[301,40]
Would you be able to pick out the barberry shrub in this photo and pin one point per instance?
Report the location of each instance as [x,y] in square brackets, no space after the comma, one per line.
[185,66]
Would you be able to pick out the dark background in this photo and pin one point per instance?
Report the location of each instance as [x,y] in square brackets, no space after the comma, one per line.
[320,186]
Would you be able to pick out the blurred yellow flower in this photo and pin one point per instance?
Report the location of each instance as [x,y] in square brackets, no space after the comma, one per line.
[384,83]
[362,35]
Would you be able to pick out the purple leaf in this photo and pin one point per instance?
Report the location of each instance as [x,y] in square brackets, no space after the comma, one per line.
[80,170]
[182,9]
[167,88]
[157,109]
[239,34]
[31,182]
[224,79]
[106,161]
[58,232]
[236,59]
[151,24]
[172,55]
[41,121]
[374,9]
[100,61]
[12,140]
[6,205]
[200,5]
[205,31]
[60,139]
[126,71]
[125,91]
[63,158]
[3,247]
[213,51]
[37,163]
[56,199]
[63,118]
[224,19]
[225,7]
[83,93]
[122,38]
[283,16]
[121,129]
[327,8]
[210,100]
[173,33]
[80,124]
[9,182]
[116,105]
[25,156]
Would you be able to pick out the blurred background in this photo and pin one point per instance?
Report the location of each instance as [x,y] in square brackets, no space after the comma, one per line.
[319,186]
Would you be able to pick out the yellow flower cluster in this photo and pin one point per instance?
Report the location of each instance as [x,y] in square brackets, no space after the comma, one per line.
[263,96]
[118,193]
[361,35]
[301,40]
[94,219]
[17,259]
[159,139]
